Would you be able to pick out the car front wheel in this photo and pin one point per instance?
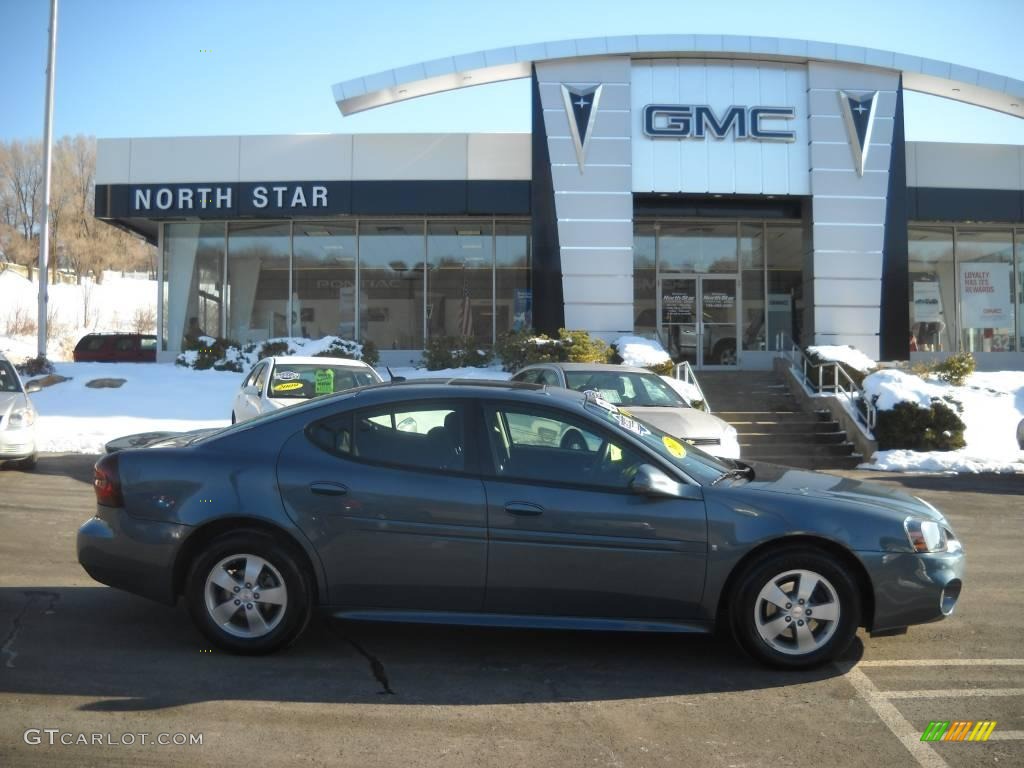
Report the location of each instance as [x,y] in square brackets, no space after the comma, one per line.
[248,594]
[796,608]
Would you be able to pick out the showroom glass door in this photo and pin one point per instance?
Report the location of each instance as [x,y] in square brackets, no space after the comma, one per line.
[698,318]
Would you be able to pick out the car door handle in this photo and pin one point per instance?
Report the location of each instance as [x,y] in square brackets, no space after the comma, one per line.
[523,508]
[328,489]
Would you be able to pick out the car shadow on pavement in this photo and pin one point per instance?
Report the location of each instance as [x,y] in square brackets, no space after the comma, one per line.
[126,654]
[983,482]
[77,466]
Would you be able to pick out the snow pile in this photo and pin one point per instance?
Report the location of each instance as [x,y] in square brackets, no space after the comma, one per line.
[640,352]
[689,392]
[243,358]
[993,405]
[74,418]
[851,356]
[493,372]
[116,304]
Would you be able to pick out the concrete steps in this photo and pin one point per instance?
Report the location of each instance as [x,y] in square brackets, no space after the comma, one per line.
[770,425]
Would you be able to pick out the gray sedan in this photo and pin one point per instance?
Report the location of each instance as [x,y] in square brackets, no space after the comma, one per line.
[506,504]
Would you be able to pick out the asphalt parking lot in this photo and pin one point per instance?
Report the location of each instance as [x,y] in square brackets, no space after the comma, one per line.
[85,659]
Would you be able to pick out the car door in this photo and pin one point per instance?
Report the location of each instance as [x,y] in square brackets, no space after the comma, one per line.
[390,499]
[247,402]
[567,535]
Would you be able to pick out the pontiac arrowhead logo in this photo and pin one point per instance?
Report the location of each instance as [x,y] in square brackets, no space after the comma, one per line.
[859,115]
[581,109]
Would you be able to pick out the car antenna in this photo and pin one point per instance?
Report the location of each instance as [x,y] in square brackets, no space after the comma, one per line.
[392,375]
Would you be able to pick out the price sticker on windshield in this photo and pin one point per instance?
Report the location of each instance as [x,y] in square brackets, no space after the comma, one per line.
[673,446]
[288,386]
[324,381]
[286,375]
[594,397]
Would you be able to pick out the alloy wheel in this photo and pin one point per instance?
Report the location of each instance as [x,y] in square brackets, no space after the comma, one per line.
[246,596]
[797,612]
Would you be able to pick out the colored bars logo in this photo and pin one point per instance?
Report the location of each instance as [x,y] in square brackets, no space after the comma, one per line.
[958,730]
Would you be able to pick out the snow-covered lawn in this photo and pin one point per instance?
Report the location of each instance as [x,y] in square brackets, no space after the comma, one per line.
[993,405]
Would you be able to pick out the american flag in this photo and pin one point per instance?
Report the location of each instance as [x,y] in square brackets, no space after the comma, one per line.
[465,310]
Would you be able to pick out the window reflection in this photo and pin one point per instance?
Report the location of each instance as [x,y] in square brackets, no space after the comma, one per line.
[645,280]
[258,262]
[324,282]
[460,285]
[192,290]
[513,308]
[986,290]
[391,296]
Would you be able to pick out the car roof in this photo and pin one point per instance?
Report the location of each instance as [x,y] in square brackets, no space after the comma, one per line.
[593,367]
[317,360]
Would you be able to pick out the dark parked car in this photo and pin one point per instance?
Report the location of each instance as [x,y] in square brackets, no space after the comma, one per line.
[116,348]
[508,505]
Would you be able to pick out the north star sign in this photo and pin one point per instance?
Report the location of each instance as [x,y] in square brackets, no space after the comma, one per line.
[696,121]
[277,197]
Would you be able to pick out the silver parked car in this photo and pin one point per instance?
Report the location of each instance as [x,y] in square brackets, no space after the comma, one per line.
[276,382]
[471,502]
[17,418]
[644,394]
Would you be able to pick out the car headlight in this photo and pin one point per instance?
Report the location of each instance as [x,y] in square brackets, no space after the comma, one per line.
[930,536]
[729,434]
[21,418]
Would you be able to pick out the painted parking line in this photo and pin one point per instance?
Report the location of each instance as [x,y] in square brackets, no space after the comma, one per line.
[893,719]
[998,735]
[942,663]
[952,693]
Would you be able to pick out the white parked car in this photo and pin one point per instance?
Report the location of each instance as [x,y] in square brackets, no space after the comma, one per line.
[17,418]
[276,382]
[637,391]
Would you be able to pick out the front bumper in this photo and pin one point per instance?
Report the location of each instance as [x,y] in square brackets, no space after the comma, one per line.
[17,443]
[912,588]
[127,553]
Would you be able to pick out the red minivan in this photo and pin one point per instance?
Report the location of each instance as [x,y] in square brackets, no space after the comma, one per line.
[116,348]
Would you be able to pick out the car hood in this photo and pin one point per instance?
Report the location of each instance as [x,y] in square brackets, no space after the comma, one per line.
[773,478]
[681,422]
[11,401]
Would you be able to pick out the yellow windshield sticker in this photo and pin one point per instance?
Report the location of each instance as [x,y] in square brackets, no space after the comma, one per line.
[614,452]
[324,381]
[674,446]
[287,386]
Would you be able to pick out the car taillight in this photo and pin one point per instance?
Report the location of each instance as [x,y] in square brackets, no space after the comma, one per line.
[107,481]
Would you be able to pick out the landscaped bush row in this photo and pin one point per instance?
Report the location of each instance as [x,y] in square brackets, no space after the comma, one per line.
[913,427]
[954,370]
[205,352]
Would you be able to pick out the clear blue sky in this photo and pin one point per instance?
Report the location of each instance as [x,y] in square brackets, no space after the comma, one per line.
[135,67]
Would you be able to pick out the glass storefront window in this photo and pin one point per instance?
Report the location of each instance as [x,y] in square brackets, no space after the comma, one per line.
[193,265]
[324,280]
[1020,289]
[705,248]
[258,264]
[752,274]
[513,301]
[391,269]
[785,253]
[645,280]
[460,285]
[933,288]
[985,283]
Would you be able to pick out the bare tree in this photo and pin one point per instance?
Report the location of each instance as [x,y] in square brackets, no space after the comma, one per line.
[22,177]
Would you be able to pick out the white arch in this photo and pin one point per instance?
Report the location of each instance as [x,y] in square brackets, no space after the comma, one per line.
[938,78]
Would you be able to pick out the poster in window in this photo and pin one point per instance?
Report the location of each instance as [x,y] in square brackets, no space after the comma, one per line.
[927,302]
[985,295]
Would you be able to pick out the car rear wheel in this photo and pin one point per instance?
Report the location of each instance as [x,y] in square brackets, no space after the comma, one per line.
[249,594]
[795,608]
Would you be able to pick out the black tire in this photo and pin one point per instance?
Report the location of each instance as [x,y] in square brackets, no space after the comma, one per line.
[27,465]
[287,621]
[831,638]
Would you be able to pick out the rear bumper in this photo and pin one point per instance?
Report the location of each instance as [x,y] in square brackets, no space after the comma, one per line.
[913,588]
[127,553]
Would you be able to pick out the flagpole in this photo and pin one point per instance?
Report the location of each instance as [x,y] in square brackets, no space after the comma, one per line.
[44,235]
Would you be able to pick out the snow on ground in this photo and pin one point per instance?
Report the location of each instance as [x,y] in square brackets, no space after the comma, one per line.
[640,352]
[116,304]
[993,405]
[155,396]
[492,372]
[852,356]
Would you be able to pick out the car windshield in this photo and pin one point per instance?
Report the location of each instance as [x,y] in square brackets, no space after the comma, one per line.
[301,381]
[627,388]
[702,467]
[8,378]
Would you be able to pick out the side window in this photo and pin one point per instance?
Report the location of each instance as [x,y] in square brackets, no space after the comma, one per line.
[431,436]
[527,377]
[95,343]
[549,378]
[261,377]
[123,345]
[333,435]
[148,344]
[546,447]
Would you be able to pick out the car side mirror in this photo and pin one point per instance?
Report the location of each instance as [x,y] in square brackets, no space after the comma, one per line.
[651,481]
[33,386]
[250,390]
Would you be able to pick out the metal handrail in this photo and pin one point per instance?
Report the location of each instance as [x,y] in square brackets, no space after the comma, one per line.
[840,386]
[690,378]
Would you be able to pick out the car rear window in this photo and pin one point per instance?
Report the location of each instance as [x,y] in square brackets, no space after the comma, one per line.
[91,343]
[301,381]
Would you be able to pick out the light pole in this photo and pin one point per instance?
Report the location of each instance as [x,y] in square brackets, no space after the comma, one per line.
[44,235]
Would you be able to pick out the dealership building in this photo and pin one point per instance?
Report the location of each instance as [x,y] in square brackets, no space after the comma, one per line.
[731,195]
